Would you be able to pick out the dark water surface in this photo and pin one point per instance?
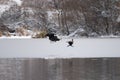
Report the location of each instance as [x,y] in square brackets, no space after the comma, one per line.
[60,69]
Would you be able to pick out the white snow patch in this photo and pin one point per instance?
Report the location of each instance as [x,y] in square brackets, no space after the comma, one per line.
[118,19]
[19,2]
[29,10]
[3,8]
[110,36]
[16,37]
[43,48]
[78,30]
[51,14]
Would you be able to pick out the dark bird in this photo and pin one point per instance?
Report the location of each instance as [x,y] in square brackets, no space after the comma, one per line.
[70,43]
[52,37]
[11,31]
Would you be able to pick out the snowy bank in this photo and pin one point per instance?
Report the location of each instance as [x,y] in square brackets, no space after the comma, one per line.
[43,48]
[16,37]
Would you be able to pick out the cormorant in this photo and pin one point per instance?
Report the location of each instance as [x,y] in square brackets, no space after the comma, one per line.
[70,43]
[52,37]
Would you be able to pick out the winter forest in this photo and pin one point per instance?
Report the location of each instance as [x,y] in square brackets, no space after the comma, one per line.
[73,18]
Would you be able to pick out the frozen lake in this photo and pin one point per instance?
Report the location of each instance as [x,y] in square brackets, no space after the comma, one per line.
[43,48]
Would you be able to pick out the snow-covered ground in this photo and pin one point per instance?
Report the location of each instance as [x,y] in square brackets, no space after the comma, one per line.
[16,37]
[43,48]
